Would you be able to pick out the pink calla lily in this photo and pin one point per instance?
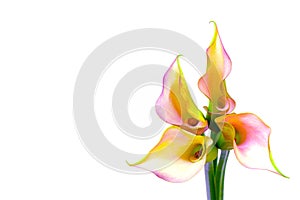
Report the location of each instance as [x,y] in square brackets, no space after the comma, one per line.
[212,84]
[250,138]
[175,104]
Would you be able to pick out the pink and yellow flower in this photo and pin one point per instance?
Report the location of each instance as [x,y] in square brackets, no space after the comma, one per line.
[185,147]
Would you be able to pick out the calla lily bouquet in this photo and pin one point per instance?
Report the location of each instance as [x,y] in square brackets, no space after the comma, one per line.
[195,141]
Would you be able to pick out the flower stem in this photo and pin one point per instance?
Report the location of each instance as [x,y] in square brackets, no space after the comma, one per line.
[210,181]
[215,175]
[215,162]
[220,174]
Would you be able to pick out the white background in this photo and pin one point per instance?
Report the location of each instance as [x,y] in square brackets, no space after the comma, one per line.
[43,45]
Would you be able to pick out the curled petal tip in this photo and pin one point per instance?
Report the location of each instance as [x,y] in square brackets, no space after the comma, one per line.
[214,23]
[274,165]
[215,33]
[178,63]
[130,164]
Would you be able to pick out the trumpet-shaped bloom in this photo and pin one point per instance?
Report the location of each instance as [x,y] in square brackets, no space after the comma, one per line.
[249,136]
[178,156]
[175,104]
[212,84]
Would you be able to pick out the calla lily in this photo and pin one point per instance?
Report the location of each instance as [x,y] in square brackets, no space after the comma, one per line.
[182,150]
[249,136]
[175,104]
[212,84]
[178,156]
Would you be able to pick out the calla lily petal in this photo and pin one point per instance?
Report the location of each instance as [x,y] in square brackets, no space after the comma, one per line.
[212,84]
[175,104]
[251,145]
[172,159]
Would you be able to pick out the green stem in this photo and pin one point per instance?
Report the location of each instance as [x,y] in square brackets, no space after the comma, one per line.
[210,181]
[215,162]
[220,174]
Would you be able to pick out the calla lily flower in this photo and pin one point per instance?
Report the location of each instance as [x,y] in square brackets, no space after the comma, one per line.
[249,136]
[178,156]
[212,84]
[175,104]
